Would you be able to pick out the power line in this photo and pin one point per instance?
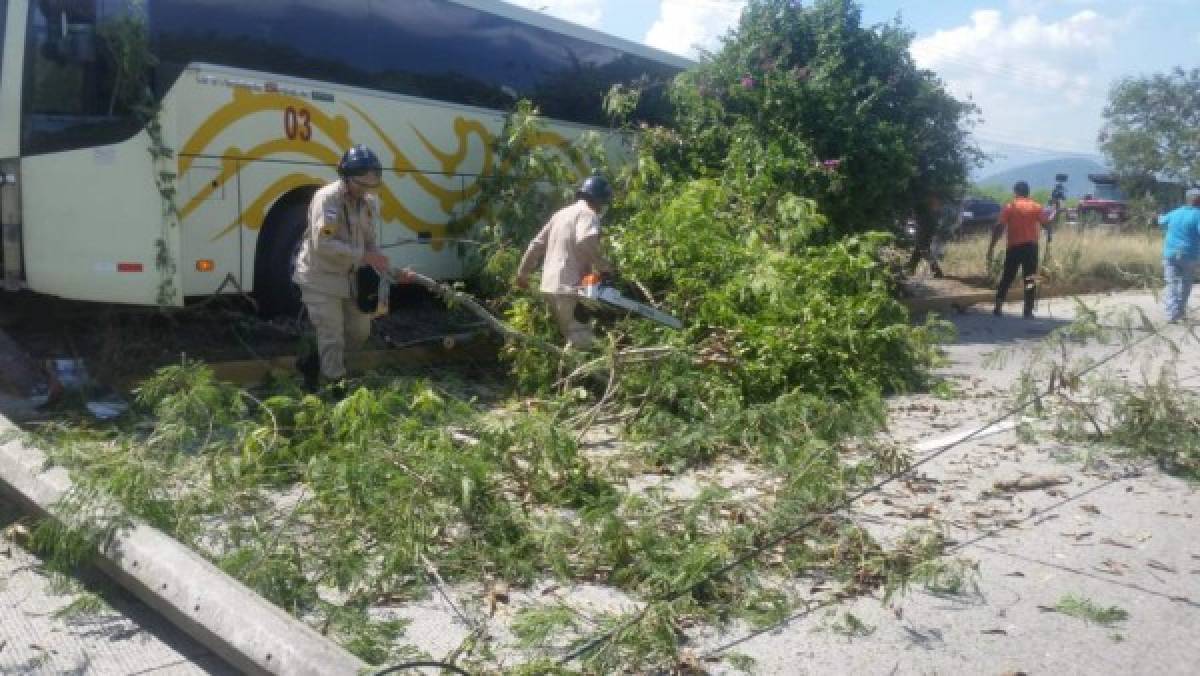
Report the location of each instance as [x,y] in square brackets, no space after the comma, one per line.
[752,555]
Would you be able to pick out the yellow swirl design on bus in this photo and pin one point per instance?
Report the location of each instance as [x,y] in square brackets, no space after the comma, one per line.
[330,137]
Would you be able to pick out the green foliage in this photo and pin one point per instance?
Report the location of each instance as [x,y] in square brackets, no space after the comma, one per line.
[863,131]
[1088,611]
[1159,419]
[1155,417]
[1150,124]
[793,337]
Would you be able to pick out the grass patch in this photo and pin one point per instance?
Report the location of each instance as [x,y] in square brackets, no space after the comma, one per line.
[1082,260]
[1088,611]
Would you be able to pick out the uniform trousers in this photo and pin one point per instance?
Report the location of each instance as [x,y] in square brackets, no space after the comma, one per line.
[340,326]
[578,334]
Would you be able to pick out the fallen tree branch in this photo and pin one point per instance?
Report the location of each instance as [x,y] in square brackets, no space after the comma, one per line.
[450,295]
[635,355]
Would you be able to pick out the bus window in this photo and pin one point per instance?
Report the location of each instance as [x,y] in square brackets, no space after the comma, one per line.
[317,39]
[71,78]
[451,52]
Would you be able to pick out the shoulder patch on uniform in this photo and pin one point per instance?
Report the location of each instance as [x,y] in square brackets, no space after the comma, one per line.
[327,232]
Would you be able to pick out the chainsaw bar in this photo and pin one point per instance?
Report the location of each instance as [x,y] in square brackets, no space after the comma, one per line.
[606,295]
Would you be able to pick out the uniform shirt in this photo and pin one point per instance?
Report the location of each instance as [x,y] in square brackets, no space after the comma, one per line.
[1183,233]
[570,245]
[339,232]
[1022,217]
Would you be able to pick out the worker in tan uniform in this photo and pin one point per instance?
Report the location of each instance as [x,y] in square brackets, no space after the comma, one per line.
[342,221]
[567,248]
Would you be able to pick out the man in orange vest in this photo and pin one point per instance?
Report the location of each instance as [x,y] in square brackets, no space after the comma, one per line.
[1023,219]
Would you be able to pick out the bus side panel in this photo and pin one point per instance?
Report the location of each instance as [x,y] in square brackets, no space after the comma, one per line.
[210,226]
[111,255]
[249,141]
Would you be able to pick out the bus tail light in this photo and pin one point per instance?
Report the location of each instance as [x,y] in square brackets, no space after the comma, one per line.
[129,267]
[205,265]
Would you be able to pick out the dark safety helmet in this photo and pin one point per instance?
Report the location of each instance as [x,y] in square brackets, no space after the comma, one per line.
[359,161]
[596,189]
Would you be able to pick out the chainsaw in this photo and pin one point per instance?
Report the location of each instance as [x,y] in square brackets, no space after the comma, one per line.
[595,292]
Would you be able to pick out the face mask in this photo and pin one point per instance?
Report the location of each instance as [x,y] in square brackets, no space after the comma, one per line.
[368,184]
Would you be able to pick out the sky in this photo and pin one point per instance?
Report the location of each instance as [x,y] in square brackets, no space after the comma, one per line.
[1039,70]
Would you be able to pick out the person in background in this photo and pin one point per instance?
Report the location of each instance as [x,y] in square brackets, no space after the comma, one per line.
[1181,249]
[949,220]
[930,224]
[1022,218]
[567,249]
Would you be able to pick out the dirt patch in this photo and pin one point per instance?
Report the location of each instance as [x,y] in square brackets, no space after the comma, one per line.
[121,345]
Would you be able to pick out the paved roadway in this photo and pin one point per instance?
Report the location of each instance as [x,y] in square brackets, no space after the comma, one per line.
[125,639]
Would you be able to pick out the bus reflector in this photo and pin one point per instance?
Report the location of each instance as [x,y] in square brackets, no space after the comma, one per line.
[129,267]
[205,265]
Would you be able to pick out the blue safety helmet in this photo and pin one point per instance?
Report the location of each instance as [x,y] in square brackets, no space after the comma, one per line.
[359,161]
[596,189]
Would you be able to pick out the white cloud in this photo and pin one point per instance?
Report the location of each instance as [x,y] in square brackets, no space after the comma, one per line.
[584,12]
[1033,79]
[684,25]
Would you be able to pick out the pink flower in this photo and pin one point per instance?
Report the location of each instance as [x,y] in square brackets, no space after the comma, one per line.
[831,165]
[748,82]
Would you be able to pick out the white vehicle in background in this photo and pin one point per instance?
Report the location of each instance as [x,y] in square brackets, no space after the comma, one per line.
[258,100]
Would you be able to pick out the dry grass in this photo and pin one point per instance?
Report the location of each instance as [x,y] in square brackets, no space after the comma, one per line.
[1093,260]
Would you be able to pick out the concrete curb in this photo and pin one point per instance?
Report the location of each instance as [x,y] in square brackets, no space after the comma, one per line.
[221,613]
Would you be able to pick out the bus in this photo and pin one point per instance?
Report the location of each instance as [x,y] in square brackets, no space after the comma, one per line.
[256,101]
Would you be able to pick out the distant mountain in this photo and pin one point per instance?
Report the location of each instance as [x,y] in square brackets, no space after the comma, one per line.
[1040,175]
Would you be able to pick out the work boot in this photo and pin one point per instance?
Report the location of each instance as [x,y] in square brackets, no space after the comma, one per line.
[1030,299]
[999,309]
[309,367]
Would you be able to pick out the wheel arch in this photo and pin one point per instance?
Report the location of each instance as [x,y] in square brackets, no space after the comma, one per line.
[273,224]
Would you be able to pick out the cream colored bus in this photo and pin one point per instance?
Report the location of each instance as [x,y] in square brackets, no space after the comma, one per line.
[257,101]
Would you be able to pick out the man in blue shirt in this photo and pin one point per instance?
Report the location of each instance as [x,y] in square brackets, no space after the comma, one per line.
[1181,248]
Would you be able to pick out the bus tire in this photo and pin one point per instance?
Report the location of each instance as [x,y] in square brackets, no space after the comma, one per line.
[277,294]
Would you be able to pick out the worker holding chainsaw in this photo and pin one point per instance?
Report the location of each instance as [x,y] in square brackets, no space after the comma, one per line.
[340,238]
[568,249]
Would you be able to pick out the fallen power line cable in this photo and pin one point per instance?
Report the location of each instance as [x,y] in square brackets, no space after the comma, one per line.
[594,643]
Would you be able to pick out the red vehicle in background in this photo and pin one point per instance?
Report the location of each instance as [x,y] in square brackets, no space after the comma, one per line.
[1107,204]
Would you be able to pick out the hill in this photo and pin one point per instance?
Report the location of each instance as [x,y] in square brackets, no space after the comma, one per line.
[1040,175]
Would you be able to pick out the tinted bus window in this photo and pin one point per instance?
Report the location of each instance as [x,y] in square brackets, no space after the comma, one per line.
[317,39]
[427,48]
[71,77]
[443,50]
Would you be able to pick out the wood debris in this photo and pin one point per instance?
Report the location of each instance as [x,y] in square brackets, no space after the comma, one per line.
[1030,483]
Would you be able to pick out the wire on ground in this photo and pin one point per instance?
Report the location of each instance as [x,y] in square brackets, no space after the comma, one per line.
[594,643]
